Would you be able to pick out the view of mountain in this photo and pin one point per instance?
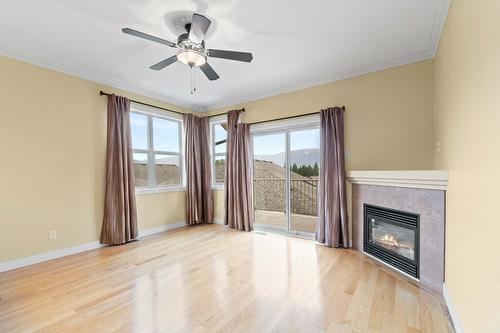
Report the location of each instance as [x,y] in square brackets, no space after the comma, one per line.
[299,157]
[171,160]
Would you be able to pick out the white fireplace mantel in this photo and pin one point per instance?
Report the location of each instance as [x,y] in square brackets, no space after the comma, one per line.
[428,179]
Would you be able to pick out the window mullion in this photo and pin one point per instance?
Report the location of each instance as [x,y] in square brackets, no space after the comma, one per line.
[214,154]
[163,152]
[140,151]
[151,156]
[181,162]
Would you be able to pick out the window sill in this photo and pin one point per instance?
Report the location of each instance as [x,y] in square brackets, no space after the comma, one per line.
[218,187]
[159,189]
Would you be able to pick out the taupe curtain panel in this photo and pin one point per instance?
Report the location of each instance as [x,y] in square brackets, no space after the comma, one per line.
[238,183]
[332,227]
[119,224]
[199,201]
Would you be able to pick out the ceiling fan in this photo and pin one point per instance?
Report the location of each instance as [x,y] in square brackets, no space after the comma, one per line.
[191,45]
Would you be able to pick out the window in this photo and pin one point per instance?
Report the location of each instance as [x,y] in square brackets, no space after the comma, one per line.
[157,147]
[219,137]
[286,166]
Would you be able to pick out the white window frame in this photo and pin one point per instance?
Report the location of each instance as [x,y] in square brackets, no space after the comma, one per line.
[217,120]
[285,126]
[151,112]
[300,122]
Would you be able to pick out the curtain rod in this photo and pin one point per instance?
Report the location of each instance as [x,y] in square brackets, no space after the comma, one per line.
[289,117]
[220,114]
[102,93]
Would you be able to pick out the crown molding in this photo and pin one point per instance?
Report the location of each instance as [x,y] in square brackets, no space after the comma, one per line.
[440,15]
[353,72]
[438,25]
[95,77]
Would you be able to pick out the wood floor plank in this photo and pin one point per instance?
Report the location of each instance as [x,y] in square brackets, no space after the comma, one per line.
[210,279]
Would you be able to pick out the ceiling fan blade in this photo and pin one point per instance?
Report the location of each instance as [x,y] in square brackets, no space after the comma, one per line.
[164,63]
[231,55]
[148,37]
[199,27]
[209,72]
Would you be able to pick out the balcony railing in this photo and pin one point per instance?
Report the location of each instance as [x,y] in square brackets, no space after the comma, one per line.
[270,195]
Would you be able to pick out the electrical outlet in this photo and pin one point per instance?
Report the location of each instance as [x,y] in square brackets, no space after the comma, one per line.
[438,147]
[347,154]
[52,234]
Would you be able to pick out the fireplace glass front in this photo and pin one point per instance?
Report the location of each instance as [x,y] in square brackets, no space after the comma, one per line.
[392,236]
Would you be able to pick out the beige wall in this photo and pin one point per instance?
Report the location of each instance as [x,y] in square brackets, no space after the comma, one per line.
[218,204]
[52,156]
[156,209]
[388,122]
[467,123]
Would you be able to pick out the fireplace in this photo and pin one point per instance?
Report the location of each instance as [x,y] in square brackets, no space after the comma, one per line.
[392,236]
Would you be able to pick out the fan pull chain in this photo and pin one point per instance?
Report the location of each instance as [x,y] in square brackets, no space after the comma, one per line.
[193,80]
[191,77]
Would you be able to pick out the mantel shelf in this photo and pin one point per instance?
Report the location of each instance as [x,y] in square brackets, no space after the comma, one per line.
[428,179]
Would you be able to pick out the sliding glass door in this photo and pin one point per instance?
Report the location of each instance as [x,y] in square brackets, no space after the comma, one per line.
[270,180]
[304,171]
[286,168]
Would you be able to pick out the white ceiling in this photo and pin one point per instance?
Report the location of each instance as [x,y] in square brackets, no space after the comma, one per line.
[295,43]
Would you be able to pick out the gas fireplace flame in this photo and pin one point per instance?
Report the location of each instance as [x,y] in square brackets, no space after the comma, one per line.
[389,240]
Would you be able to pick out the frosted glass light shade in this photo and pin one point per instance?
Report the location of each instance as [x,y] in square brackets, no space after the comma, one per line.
[191,58]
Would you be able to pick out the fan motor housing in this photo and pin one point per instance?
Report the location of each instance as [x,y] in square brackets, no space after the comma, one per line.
[184,42]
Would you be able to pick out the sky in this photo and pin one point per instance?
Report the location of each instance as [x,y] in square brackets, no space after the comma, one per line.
[220,134]
[166,138]
[165,133]
[274,144]
[268,144]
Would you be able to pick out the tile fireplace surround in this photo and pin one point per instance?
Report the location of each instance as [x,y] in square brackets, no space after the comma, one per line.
[421,192]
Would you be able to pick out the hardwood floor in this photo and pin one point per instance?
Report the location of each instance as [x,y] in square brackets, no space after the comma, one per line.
[208,279]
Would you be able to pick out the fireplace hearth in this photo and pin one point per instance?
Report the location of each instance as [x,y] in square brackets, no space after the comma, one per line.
[392,236]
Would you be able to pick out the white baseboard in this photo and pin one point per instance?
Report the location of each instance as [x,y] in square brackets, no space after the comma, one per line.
[452,311]
[161,228]
[219,221]
[38,258]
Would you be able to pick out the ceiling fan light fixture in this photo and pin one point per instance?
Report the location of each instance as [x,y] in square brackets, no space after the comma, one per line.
[191,48]
[192,58]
